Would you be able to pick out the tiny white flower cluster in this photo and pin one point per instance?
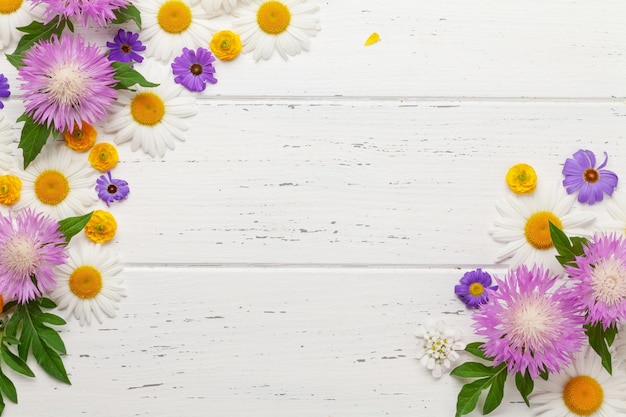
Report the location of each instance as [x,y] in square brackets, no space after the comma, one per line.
[438,348]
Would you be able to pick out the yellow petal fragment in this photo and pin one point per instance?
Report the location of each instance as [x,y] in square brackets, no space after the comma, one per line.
[374,37]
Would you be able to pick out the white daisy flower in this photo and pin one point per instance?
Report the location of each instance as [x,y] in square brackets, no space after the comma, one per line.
[171,25]
[585,388]
[7,144]
[524,226]
[57,183]
[14,14]
[151,118]
[437,349]
[216,6]
[619,349]
[285,26]
[616,207]
[87,284]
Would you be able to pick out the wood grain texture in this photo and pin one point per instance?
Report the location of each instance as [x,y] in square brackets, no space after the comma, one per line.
[279,261]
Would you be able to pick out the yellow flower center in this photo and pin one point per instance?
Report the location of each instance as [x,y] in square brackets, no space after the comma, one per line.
[273,17]
[51,187]
[591,175]
[476,289]
[9,6]
[537,229]
[10,188]
[583,395]
[174,16]
[147,109]
[86,281]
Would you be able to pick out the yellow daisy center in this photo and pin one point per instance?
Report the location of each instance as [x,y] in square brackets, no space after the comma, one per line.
[86,281]
[583,395]
[476,289]
[10,6]
[147,109]
[591,175]
[273,17]
[51,187]
[537,229]
[174,16]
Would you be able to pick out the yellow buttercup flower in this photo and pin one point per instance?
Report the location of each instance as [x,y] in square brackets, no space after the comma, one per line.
[103,157]
[10,188]
[81,139]
[225,45]
[521,179]
[101,227]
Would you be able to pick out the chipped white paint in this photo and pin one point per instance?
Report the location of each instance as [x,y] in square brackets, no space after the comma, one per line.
[279,260]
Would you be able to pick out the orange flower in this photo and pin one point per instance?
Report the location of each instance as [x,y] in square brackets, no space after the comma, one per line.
[103,157]
[81,139]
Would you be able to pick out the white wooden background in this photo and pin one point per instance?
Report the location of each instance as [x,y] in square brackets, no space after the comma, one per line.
[280,260]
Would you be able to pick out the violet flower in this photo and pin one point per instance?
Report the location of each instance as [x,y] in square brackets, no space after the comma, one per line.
[111,189]
[4,89]
[472,290]
[125,46]
[591,182]
[193,69]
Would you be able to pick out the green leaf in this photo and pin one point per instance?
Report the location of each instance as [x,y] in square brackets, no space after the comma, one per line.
[15,60]
[473,370]
[13,324]
[72,225]
[474,349]
[35,32]
[47,303]
[127,77]
[49,360]
[595,334]
[52,319]
[7,387]
[15,362]
[610,333]
[496,392]
[469,394]
[127,13]
[51,338]
[1,405]
[562,244]
[34,137]
[11,340]
[26,338]
[525,385]
[543,374]
[578,245]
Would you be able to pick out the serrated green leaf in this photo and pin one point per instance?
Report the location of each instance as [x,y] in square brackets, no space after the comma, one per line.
[469,394]
[35,32]
[496,392]
[34,137]
[15,362]
[47,303]
[525,385]
[473,370]
[127,77]
[595,334]
[127,13]
[7,387]
[49,360]
[72,225]
[474,349]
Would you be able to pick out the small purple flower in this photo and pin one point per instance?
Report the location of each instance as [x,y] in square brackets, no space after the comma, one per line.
[125,46]
[591,182]
[472,290]
[111,189]
[193,69]
[4,89]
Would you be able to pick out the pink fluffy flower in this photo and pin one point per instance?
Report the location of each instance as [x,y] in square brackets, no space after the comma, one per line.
[30,245]
[600,280]
[66,82]
[100,11]
[529,323]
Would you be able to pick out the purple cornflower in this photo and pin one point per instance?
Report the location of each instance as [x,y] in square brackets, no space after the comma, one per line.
[100,11]
[4,89]
[111,189]
[591,182]
[125,46]
[473,288]
[193,69]
[599,278]
[530,324]
[30,245]
[66,82]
